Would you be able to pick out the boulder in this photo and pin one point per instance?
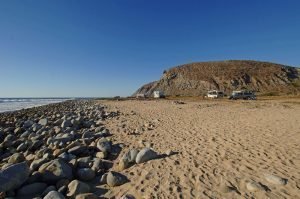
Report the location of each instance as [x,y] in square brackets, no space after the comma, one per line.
[128,159]
[43,122]
[37,163]
[55,170]
[254,186]
[34,189]
[14,176]
[104,145]
[275,179]
[77,187]
[66,123]
[145,154]
[79,150]
[54,195]
[16,158]
[86,174]
[115,179]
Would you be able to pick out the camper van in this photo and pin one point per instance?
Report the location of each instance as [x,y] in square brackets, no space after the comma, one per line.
[158,94]
[246,95]
[215,94]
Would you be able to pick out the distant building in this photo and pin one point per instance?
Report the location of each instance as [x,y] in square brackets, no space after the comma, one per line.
[158,94]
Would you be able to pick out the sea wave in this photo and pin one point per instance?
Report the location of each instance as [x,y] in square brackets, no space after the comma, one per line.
[12,104]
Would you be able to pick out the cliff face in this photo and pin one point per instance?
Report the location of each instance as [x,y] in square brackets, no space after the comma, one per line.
[197,78]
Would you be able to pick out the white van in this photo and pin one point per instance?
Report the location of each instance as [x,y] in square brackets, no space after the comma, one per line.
[215,94]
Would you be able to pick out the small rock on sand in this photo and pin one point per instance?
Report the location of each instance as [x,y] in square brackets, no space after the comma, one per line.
[275,179]
[115,179]
[145,154]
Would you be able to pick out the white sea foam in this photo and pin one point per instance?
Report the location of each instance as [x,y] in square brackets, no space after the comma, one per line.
[12,104]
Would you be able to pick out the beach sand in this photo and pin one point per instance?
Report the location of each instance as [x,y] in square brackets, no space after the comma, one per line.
[222,149]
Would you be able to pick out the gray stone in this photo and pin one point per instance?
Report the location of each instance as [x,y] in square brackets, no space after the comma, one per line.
[37,163]
[115,179]
[86,174]
[254,186]
[79,150]
[28,124]
[97,165]
[16,158]
[128,159]
[77,187]
[18,130]
[66,123]
[43,122]
[275,179]
[145,154]
[48,189]
[34,189]
[84,162]
[103,179]
[104,145]
[22,147]
[14,176]
[54,195]
[55,170]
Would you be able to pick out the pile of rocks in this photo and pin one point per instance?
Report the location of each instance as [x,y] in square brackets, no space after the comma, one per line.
[58,150]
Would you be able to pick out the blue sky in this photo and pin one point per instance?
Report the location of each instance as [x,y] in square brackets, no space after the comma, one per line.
[111,47]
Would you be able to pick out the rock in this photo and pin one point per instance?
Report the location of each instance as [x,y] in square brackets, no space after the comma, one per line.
[63,190]
[275,179]
[18,130]
[115,179]
[54,195]
[28,124]
[55,170]
[34,177]
[79,150]
[84,162]
[128,159]
[22,147]
[101,155]
[16,158]
[145,154]
[254,186]
[36,144]
[37,163]
[87,196]
[14,176]
[48,189]
[86,174]
[97,165]
[103,179]
[77,187]
[34,189]
[66,123]
[104,145]
[43,122]
[62,182]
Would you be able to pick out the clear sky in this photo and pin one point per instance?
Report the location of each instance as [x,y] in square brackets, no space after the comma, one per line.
[111,47]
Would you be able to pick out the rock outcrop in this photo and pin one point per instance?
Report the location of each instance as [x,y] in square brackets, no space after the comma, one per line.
[196,79]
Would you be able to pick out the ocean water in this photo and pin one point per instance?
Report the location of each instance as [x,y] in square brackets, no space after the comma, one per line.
[12,104]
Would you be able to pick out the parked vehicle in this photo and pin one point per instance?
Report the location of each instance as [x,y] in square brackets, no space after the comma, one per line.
[246,95]
[214,94]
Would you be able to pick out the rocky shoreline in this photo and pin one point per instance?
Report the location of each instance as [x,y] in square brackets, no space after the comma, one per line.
[62,150]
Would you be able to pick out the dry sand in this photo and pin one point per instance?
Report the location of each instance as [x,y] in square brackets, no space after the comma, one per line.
[220,147]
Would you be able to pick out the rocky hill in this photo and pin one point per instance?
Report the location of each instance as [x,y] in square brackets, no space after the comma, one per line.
[196,79]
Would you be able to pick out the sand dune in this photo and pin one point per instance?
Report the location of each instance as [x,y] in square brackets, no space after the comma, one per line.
[222,149]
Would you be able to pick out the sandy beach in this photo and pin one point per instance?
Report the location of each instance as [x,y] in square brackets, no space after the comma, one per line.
[220,149]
